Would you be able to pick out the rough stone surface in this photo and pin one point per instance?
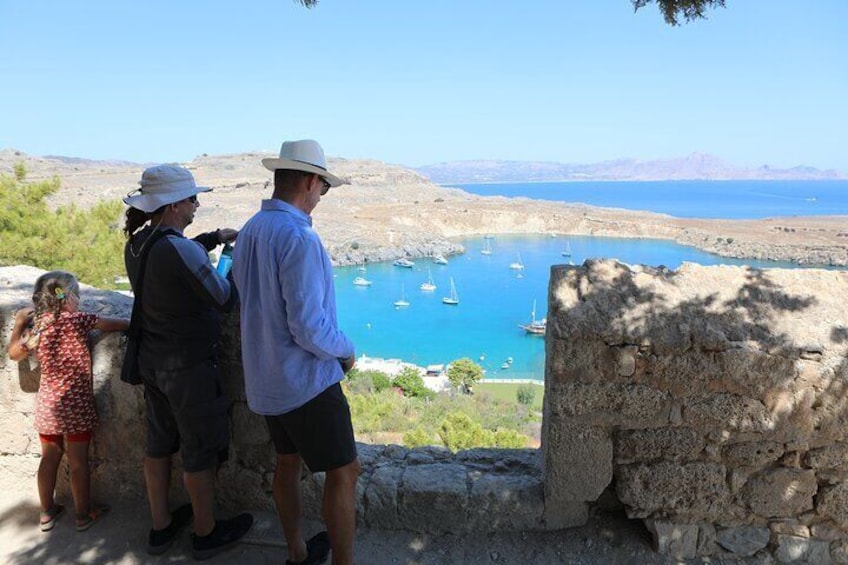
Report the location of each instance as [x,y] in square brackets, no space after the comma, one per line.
[434,498]
[696,491]
[744,541]
[781,492]
[674,444]
[676,540]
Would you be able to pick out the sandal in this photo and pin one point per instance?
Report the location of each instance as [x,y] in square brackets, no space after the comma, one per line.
[49,517]
[94,514]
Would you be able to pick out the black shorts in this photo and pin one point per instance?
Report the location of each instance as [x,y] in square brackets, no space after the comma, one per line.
[320,431]
[186,411]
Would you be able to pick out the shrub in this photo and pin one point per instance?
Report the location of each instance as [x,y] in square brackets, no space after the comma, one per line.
[417,437]
[526,394]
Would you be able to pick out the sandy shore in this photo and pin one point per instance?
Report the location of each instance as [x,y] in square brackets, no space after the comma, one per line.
[387,212]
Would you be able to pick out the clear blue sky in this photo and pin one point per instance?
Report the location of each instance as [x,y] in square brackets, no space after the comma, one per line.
[416,82]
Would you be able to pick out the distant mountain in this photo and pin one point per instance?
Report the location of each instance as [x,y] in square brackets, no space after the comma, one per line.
[697,166]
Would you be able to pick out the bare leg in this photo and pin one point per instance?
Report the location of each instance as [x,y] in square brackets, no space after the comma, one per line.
[201,491]
[80,475]
[339,510]
[157,477]
[288,502]
[48,468]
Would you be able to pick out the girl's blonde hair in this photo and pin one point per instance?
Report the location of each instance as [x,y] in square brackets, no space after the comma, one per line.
[49,296]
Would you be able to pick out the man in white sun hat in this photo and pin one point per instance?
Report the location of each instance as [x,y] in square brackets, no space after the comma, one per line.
[181,298]
[294,354]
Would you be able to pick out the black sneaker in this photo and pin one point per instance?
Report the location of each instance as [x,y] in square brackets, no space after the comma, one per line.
[317,550]
[159,541]
[225,534]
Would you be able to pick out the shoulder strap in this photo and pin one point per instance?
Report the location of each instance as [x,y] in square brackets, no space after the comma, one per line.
[135,318]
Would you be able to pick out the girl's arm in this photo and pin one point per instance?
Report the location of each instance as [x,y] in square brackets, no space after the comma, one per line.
[112,324]
[17,348]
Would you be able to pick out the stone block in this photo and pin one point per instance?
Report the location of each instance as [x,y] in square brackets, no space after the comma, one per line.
[434,498]
[578,464]
[839,552]
[728,412]
[381,498]
[752,453]
[505,503]
[780,492]
[669,444]
[831,457]
[697,491]
[832,503]
[627,406]
[677,540]
[794,549]
[743,541]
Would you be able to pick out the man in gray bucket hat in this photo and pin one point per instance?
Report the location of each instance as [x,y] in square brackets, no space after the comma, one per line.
[294,354]
[181,298]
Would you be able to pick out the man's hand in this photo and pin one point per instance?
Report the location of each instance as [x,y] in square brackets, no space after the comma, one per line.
[347,363]
[227,235]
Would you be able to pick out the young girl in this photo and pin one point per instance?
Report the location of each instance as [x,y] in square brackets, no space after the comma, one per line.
[65,412]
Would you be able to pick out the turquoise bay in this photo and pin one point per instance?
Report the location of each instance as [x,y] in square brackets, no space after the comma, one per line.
[493,299]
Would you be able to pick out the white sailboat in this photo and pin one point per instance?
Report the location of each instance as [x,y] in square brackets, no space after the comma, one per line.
[517,265]
[428,286]
[567,251]
[487,248]
[535,327]
[453,299]
[361,281]
[402,302]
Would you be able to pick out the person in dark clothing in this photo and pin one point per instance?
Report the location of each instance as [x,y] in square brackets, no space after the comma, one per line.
[186,410]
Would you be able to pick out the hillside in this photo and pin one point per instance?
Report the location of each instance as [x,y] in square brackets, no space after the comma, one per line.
[697,166]
[386,211]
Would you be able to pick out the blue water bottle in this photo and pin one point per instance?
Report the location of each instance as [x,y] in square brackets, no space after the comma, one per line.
[225,261]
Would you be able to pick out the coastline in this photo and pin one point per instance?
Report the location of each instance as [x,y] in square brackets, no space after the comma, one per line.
[386,212]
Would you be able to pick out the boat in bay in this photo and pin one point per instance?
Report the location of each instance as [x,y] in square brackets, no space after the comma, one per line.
[517,265]
[535,327]
[453,299]
[428,286]
[402,302]
[405,263]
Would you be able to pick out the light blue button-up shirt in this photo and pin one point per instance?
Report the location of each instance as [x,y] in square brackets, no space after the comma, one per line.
[290,340]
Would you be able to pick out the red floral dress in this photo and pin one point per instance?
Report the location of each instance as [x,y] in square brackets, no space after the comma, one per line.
[65,400]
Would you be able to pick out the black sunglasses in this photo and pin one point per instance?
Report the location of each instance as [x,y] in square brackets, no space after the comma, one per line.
[192,199]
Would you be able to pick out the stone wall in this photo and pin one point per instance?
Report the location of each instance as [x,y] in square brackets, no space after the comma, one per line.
[428,489]
[712,399]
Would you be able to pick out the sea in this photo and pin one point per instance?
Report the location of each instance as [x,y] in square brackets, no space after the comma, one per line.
[494,299]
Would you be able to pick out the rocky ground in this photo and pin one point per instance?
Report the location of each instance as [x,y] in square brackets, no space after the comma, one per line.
[386,211]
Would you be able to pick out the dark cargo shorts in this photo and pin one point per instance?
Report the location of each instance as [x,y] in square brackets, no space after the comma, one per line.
[186,411]
[320,431]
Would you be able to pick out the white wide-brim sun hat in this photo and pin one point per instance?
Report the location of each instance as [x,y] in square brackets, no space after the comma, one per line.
[162,185]
[302,155]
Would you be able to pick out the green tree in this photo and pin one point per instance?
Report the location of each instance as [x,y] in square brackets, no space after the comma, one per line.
[671,9]
[463,373]
[410,381]
[87,243]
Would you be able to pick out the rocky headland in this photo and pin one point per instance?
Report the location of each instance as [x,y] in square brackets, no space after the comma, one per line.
[385,211]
